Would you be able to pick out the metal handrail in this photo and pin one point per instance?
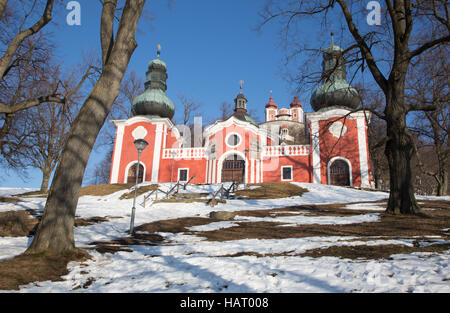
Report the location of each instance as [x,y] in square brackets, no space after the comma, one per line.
[184,186]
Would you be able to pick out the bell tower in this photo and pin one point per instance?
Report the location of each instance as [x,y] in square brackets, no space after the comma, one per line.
[240,102]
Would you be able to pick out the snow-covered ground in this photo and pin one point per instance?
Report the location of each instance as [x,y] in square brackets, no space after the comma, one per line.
[187,263]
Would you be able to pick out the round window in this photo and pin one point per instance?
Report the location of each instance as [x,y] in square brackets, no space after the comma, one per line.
[233,140]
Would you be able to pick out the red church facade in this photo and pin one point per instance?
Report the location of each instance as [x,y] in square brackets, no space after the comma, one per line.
[328,146]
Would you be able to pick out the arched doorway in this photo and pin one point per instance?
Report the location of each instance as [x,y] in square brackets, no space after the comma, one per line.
[131,177]
[233,169]
[339,173]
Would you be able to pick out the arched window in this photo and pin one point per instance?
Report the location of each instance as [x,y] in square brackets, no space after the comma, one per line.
[131,176]
[339,173]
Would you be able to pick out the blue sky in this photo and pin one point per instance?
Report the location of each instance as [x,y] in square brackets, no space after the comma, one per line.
[208,46]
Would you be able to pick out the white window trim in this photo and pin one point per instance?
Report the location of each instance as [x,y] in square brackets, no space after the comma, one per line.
[127,168]
[349,169]
[187,175]
[231,134]
[292,173]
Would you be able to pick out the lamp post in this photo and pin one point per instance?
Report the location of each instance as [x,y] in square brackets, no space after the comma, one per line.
[140,145]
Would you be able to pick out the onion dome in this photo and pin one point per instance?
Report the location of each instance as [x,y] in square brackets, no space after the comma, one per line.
[271,104]
[335,90]
[296,103]
[153,101]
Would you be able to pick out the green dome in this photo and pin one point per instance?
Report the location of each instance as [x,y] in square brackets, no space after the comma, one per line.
[335,90]
[154,101]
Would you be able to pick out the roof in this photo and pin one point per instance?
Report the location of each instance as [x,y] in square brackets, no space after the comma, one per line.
[244,117]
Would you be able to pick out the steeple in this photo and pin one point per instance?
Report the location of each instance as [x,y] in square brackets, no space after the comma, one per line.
[271,103]
[335,90]
[240,102]
[153,101]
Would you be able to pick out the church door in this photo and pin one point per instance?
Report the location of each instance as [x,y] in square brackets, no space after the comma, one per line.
[339,173]
[233,169]
[132,174]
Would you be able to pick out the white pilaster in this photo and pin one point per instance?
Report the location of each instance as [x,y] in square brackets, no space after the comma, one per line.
[157,152]
[117,154]
[315,151]
[363,155]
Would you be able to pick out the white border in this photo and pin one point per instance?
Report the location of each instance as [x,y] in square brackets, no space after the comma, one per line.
[292,173]
[349,169]
[228,137]
[127,168]
[117,154]
[363,155]
[187,175]
[315,146]
[222,159]
[157,152]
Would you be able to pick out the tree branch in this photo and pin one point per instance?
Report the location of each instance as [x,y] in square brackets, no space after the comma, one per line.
[20,37]
[365,50]
[107,28]
[30,103]
[428,45]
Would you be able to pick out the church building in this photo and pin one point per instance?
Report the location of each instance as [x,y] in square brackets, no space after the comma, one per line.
[327,146]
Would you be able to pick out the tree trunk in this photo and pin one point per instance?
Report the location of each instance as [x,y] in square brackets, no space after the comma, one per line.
[45,179]
[55,230]
[399,152]
[443,181]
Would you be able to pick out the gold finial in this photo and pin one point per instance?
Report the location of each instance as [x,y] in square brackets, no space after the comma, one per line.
[159,50]
[241,82]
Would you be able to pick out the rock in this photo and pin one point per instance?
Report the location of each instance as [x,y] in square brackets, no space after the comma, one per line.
[222,215]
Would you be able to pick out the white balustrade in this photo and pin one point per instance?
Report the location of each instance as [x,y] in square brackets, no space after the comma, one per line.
[274,151]
[184,153]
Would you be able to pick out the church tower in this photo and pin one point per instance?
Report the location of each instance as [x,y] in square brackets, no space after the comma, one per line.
[335,90]
[153,102]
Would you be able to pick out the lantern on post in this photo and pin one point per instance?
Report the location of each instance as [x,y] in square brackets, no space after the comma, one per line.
[140,145]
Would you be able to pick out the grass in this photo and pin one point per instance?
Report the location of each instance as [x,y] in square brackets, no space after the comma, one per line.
[270,191]
[24,269]
[141,190]
[103,189]
[372,252]
[16,223]
[92,190]
[9,200]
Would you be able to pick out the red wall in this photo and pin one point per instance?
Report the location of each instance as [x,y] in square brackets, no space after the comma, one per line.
[345,146]
[301,168]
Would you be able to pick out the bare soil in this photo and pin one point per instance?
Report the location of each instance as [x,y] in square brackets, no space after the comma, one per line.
[24,269]
[374,252]
[270,191]
[9,200]
[121,244]
[430,223]
[16,223]
[103,189]
[140,191]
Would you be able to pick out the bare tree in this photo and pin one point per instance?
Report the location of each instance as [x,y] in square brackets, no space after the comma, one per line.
[50,122]
[188,107]
[13,56]
[429,84]
[55,231]
[24,73]
[226,109]
[398,44]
